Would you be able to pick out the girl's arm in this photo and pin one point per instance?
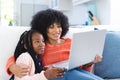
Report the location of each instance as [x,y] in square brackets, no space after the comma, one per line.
[26,59]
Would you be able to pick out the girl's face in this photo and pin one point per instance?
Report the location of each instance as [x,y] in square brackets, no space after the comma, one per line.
[54,32]
[38,43]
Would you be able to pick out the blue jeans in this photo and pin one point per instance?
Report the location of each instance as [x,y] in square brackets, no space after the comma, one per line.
[78,74]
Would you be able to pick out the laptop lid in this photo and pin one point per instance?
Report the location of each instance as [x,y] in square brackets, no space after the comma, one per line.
[85,46]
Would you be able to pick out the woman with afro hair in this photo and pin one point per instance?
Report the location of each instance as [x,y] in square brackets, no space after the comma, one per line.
[54,25]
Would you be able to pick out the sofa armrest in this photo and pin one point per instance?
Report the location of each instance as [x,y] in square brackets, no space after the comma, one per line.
[109,68]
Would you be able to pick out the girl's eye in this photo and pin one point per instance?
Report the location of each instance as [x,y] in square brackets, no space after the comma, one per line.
[43,41]
[36,41]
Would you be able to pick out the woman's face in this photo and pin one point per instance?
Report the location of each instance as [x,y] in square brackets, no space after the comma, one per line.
[54,32]
[38,43]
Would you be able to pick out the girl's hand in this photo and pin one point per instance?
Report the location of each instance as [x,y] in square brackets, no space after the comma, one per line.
[54,72]
[19,70]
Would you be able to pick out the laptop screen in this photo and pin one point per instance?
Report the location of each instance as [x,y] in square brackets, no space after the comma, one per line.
[85,46]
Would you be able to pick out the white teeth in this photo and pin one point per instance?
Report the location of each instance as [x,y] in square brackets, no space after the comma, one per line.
[56,35]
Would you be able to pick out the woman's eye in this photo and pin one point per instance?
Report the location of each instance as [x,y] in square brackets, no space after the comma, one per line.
[51,26]
[59,26]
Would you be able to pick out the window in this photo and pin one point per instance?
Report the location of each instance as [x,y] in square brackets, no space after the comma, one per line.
[7,12]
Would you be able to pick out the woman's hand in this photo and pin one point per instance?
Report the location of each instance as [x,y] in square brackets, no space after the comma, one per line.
[54,72]
[97,59]
[19,70]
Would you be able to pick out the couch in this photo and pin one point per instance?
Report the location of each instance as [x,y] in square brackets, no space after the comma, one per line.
[107,68]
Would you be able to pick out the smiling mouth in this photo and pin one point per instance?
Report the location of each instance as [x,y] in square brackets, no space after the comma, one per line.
[57,35]
[42,49]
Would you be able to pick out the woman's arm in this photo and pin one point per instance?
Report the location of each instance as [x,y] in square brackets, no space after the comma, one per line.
[9,63]
[18,70]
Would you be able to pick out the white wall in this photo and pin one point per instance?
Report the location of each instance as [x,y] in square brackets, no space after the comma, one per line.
[107,11]
[17,6]
[0,13]
[115,12]
[103,11]
[78,15]
[35,1]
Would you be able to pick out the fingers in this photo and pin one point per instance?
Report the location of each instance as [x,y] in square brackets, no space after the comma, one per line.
[24,74]
[60,72]
[21,75]
[58,75]
[54,72]
[98,58]
[23,66]
[61,69]
[25,69]
[22,70]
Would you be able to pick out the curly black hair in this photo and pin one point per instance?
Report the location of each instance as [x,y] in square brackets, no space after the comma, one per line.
[43,19]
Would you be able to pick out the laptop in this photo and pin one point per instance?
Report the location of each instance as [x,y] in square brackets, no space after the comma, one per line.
[84,47]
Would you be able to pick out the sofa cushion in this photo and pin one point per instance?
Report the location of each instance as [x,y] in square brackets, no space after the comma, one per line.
[9,37]
[110,65]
